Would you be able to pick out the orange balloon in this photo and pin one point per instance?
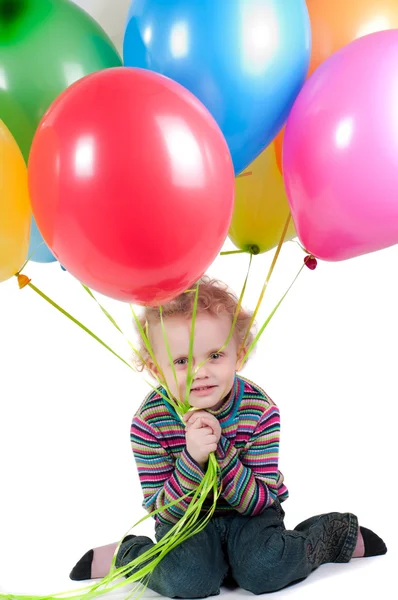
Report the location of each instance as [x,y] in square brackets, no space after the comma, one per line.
[336,23]
[278,143]
[15,210]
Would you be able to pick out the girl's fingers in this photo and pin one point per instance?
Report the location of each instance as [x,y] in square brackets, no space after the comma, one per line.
[187,416]
[209,423]
[205,431]
[211,439]
[197,424]
[197,418]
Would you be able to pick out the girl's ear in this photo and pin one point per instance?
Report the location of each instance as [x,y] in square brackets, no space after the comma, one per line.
[240,358]
[154,371]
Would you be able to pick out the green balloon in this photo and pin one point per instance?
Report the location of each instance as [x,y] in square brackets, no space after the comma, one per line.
[45,46]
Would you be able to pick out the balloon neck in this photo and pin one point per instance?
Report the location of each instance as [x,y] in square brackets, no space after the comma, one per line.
[23,281]
[311,262]
[254,249]
[10,10]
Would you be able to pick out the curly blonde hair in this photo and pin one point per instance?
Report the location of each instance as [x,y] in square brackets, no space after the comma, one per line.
[214,298]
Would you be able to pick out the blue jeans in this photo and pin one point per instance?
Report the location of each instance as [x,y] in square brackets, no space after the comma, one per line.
[256,553]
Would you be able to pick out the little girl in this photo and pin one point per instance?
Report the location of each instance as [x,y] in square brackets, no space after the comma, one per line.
[245,542]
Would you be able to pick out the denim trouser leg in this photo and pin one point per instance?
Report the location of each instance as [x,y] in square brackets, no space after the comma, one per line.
[265,557]
[258,553]
[194,569]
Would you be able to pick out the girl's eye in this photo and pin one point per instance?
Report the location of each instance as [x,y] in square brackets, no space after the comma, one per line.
[215,356]
[181,362]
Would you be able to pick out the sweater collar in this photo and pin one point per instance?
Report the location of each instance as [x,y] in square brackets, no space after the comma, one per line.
[228,411]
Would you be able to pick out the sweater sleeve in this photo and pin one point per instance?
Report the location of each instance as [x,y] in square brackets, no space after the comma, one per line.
[249,480]
[163,479]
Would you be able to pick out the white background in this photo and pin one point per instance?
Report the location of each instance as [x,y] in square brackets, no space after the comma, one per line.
[110,14]
[328,359]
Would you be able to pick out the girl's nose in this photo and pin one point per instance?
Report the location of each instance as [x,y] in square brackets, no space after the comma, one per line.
[202,372]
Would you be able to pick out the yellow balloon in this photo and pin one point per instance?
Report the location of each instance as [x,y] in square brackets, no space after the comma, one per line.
[15,210]
[261,206]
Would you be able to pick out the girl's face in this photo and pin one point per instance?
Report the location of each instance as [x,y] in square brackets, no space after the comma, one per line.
[213,380]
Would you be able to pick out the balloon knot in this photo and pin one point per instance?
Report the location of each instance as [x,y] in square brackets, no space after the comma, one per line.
[311,262]
[254,249]
[23,281]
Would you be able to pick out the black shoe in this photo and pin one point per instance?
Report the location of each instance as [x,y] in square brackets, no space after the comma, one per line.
[374,545]
[82,569]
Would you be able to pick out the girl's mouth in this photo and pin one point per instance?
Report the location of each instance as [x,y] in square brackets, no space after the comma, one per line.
[204,390]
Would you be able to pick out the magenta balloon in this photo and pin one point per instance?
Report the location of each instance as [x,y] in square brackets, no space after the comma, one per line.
[340,154]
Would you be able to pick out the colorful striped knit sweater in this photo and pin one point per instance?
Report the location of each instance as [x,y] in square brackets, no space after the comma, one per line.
[247,454]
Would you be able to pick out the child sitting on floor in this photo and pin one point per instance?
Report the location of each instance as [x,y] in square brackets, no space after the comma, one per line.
[246,541]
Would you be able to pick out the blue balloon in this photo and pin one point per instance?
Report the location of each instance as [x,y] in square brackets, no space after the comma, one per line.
[41,252]
[246,60]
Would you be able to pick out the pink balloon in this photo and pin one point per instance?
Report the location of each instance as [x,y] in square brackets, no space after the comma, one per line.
[340,153]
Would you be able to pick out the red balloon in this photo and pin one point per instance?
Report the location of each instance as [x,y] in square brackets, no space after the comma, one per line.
[132,184]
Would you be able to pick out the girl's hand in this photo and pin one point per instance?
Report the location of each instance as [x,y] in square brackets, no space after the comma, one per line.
[200,441]
[207,419]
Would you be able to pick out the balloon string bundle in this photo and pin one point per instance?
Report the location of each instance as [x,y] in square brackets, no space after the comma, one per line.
[193,521]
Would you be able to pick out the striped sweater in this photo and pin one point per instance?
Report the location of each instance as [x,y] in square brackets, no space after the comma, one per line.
[247,454]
